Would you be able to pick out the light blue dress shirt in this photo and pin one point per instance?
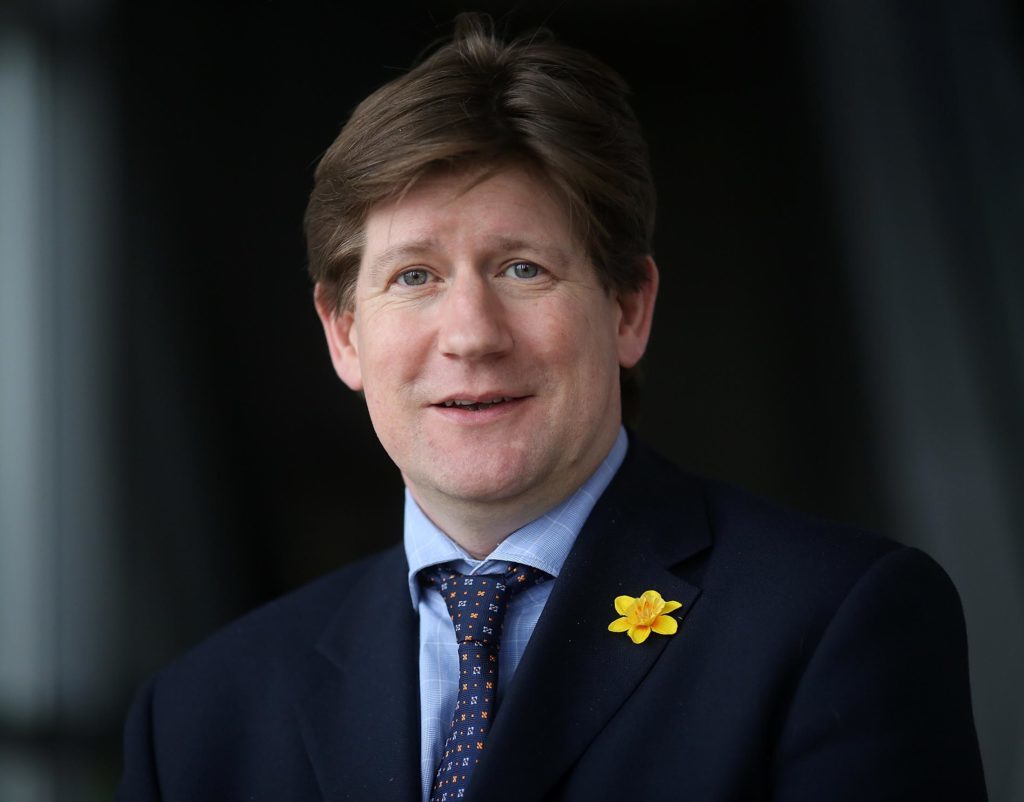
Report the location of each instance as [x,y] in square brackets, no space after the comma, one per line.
[543,543]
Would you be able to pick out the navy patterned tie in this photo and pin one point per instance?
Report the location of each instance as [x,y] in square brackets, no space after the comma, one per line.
[477,605]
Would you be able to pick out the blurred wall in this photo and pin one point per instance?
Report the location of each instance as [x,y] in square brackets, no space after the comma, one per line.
[840,326]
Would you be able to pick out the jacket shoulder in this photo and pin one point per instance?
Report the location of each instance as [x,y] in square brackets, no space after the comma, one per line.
[265,650]
[743,526]
[762,560]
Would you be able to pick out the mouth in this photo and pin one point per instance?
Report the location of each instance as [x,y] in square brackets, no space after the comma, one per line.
[472,405]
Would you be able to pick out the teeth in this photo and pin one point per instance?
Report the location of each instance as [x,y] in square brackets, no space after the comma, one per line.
[465,404]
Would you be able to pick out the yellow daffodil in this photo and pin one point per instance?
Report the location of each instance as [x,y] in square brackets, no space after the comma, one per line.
[644,615]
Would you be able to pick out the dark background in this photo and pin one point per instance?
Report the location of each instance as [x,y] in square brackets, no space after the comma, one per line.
[751,373]
[839,327]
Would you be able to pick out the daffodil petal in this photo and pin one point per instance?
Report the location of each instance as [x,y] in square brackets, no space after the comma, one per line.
[639,634]
[652,596]
[623,604]
[670,606]
[665,625]
[619,625]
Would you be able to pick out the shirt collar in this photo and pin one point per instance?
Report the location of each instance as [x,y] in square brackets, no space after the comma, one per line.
[543,543]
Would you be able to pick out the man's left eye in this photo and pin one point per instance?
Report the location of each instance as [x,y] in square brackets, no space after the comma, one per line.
[523,270]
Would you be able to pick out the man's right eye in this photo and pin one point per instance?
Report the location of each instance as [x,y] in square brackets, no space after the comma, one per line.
[412,278]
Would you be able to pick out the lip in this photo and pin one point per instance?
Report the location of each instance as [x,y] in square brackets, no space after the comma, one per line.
[510,403]
[468,397]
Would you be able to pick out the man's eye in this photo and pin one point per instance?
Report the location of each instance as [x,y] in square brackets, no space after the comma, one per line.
[412,278]
[523,270]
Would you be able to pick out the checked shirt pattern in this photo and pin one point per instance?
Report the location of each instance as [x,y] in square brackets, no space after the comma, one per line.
[477,605]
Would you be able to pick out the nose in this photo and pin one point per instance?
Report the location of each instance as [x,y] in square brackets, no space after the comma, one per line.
[473,321]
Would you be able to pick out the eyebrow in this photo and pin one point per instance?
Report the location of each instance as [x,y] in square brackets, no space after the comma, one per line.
[400,253]
[543,248]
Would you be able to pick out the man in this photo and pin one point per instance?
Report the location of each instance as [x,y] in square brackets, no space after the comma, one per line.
[479,235]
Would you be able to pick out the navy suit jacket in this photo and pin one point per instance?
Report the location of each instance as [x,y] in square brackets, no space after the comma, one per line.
[811,663]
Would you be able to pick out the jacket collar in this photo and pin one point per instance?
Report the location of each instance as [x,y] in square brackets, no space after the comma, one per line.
[650,519]
[361,727]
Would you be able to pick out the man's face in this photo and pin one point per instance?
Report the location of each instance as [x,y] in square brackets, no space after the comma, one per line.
[487,349]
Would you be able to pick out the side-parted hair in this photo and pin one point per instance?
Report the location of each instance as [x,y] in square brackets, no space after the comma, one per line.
[478,102]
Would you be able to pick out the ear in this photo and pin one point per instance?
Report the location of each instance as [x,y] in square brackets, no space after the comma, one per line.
[636,312]
[342,337]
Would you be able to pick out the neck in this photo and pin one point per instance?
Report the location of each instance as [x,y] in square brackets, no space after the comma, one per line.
[479,528]
[479,525]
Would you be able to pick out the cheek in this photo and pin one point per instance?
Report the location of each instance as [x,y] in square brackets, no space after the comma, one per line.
[388,354]
[580,340]
[549,337]
[379,364]
[593,336]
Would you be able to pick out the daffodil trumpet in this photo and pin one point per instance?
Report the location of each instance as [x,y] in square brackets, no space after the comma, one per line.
[643,615]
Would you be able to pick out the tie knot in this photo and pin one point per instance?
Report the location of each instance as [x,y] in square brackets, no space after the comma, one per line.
[477,603]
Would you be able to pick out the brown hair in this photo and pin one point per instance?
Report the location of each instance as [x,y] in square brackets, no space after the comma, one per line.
[479,101]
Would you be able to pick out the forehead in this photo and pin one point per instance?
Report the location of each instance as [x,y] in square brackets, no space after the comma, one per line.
[500,209]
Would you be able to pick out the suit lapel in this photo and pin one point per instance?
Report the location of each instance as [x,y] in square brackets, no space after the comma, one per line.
[361,727]
[575,674]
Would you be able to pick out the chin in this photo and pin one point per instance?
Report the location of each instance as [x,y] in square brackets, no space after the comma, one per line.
[477,480]
[486,488]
